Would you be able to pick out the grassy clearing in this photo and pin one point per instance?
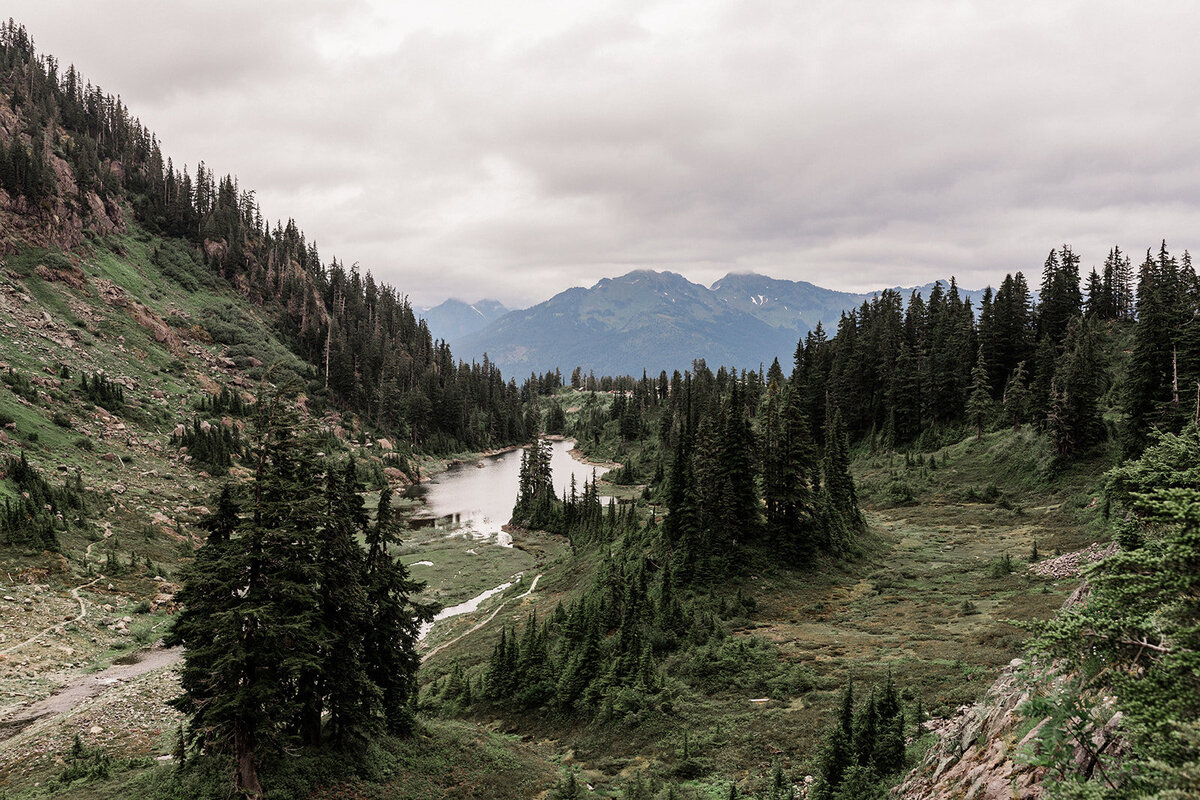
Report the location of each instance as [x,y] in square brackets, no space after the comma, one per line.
[927,602]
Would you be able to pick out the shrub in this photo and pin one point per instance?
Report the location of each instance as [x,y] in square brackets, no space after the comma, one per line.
[100,390]
[20,385]
[1002,566]
[900,493]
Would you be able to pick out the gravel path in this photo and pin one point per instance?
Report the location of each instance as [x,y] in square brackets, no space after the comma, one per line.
[84,687]
[39,634]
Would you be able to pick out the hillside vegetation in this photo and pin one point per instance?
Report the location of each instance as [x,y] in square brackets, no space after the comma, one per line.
[809,570]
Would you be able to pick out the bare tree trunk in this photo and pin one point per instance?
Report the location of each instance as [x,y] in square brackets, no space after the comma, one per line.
[328,339]
[247,773]
[1175,376]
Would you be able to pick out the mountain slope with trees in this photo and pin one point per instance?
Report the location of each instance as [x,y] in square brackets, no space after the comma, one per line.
[804,551]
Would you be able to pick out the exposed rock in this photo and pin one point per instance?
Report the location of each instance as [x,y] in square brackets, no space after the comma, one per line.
[978,754]
[396,476]
[215,249]
[1069,565]
[72,276]
[163,333]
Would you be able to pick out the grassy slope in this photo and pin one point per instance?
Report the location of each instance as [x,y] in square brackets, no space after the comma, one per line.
[143,498]
[924,602]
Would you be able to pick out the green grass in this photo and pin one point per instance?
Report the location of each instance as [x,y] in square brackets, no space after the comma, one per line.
[897,609]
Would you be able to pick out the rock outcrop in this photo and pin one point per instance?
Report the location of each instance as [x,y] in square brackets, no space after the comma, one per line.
[976,756]
[983,752]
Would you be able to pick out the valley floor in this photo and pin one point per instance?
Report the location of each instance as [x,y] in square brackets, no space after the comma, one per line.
[928,602]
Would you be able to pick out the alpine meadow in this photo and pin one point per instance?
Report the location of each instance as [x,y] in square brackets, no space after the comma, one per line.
[264,535]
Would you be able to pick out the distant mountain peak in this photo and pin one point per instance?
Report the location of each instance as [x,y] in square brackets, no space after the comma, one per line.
[658,319]
[453,318]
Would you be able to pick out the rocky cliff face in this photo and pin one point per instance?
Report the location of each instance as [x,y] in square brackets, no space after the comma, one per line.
[976,756]
[58,221]
[982,753]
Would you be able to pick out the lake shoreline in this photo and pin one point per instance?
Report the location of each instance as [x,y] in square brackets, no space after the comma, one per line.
[435,467]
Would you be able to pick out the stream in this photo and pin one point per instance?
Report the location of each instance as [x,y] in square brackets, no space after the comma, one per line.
[474,500]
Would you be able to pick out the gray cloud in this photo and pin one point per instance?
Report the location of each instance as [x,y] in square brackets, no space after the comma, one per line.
[512,150]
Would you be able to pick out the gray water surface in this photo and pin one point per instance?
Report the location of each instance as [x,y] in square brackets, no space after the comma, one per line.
[476,499]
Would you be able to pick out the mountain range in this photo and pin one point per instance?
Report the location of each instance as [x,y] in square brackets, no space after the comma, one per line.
[453,319]
[648,320]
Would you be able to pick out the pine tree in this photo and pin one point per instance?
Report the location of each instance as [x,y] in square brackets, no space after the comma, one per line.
[1016,396]
[979,404]
[251,622]
[1141,623]
[351,697]
[839,485]
[837,756]
[1061,300]
[209,627]
[1074,419]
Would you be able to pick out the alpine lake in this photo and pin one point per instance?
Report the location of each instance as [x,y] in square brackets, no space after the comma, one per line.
[459,544]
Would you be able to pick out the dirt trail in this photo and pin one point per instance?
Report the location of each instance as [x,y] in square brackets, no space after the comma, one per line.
[483,622]
[39,634]
[87,554]
[82,688]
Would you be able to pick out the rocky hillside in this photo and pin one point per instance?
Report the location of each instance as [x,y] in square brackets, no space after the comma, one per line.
[989,750]
[978,751]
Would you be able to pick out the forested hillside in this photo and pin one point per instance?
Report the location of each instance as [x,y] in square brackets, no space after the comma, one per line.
[74,153]
[791,579]
[194,407]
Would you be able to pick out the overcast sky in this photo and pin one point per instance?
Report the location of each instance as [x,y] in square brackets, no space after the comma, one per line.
[513,149]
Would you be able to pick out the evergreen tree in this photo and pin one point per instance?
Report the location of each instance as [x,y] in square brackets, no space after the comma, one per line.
[350,696]
[251,622]
[979,405]
[1074,420]
[1061,300]
[1016,397]
[790,474]
[390,648]
[1139,632]
[839,485]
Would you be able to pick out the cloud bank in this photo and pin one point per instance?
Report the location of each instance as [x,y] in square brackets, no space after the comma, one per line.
[511,150]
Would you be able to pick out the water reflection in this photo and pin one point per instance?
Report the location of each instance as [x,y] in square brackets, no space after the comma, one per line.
[476,499]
